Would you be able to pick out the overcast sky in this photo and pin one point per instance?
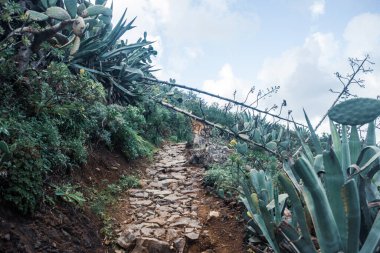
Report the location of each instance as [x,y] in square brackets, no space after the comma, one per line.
[223,45]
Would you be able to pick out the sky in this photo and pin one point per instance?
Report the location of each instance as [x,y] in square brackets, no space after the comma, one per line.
[226,45]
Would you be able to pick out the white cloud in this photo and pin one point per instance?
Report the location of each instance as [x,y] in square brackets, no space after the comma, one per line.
[194,52]
[317,8]
[362,36]
[306,72]
[185,28]
[225,85]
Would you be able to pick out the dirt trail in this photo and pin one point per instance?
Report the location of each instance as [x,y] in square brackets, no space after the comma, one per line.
[173,213]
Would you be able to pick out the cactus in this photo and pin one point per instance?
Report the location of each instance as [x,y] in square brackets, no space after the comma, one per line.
[4,147]
[242,148]
[36,16]
[5,153]
[73,14]
[75,46]
[71,7]
[57,13]
[96,10]
[79,26]
[357,111]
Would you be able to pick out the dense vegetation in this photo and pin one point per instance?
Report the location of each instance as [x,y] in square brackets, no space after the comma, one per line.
[52,113]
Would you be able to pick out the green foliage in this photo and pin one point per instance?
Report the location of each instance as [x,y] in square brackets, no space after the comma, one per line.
[48,130]
[160,122]
[70,194]
[225,178]
[45,129]
[100,200]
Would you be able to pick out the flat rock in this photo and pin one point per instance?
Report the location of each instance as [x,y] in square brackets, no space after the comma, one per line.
[213,214]
[179,245]
[141,202]
[192,236]
[158,232]
[171,234]
[155,184]
[185,221]
[178,176]
[173,198]
[139,194]
[126,240]
[159,220]
[145,231]
[150,245]
[166,182]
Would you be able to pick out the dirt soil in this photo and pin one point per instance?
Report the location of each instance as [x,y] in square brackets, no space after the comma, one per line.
[59,229]
[226,233]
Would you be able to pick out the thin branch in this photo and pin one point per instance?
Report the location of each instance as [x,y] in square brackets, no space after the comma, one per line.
[152,81]
[222,128]
[344,90]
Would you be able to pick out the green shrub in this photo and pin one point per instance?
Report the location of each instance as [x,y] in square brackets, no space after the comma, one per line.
[162,123]
[100,200]
[70,194]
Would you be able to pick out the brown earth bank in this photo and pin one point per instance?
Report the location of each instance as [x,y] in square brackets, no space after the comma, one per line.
[66,228]
[63,228]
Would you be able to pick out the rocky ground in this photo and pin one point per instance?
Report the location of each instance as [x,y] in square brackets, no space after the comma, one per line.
[173,213]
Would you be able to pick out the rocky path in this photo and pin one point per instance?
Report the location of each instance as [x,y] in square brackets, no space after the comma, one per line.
[164,213]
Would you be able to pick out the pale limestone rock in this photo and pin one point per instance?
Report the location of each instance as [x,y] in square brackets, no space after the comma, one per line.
[192,236]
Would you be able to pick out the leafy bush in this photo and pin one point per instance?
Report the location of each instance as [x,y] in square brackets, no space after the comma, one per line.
[162,123]
[100,200]
[70,194]
[225,178]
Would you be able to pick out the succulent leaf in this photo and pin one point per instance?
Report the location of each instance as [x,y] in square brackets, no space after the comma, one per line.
[36,16]
[81,8]
[356,111]
[79,26]
[351,203]
[334,181]
[71,7]
[99,2]
[57,13]
[313,135]
[75,46]
[319,207]
[45,3]
[354,144]
[370,139]
[97,10]
[52,2]
[372,243]
[4,147]
[299,211]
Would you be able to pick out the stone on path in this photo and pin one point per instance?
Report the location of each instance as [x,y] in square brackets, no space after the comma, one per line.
[164,212]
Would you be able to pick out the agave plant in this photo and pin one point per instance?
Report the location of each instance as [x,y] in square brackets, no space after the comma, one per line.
[117,65]
[337,188]
[269,135]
